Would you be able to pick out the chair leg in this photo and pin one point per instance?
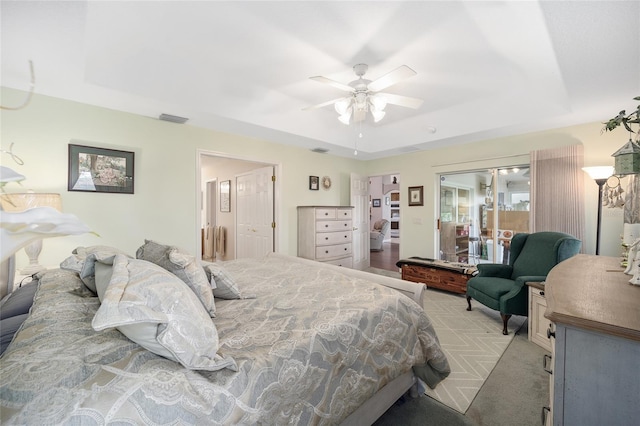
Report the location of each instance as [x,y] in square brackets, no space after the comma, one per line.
[469,303]
[505,320]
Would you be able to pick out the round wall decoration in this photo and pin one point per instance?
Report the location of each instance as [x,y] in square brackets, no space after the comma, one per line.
[326,182]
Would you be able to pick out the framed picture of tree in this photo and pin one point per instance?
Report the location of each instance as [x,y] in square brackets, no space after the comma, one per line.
[93,169]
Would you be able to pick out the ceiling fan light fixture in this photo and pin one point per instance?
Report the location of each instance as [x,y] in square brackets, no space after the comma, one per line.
[365,96]
[377,115]
[342,105]
[361,101]
[378,102]
[346,117]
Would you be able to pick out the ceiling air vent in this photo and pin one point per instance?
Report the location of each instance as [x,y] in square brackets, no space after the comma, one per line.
[173,118]
[320,150]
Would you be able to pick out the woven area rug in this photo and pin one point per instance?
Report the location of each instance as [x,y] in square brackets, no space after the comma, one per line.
[473,342]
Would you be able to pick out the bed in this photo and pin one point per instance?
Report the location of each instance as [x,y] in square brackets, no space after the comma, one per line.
[302,343]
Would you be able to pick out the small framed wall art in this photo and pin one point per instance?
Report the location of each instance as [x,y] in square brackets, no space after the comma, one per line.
[376,202]
[93,169]
[416,196]
[314,183]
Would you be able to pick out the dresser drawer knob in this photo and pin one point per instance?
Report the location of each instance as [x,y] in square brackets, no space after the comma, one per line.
[326,238]
[326,226]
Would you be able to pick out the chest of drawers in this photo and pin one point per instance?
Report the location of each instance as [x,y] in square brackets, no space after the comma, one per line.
[325,234]
[595,324]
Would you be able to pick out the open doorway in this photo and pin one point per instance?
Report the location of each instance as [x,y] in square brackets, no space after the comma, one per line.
[384,210]
[237,207]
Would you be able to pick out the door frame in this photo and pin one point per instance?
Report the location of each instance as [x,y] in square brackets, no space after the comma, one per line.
[277,190]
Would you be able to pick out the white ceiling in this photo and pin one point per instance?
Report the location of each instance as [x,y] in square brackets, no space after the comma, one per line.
[484,69]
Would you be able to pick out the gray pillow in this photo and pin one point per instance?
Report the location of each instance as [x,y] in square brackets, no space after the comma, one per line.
[8,328]
[19,301]
[224,286]
[155,309]
[82,261]
[184,266]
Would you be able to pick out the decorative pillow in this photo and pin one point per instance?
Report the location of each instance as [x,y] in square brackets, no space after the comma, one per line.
[19,301]
[104,272]
[8,328]
[155,309]
[82,261]
[224,286]
[184,266]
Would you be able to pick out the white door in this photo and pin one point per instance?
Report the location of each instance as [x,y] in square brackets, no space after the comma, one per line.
[360,203]
[254,213]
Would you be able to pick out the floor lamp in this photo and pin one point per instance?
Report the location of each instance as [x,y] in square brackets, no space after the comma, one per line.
[18,202]
[600,174]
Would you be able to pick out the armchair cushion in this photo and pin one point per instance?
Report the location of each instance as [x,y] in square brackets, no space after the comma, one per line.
[494,270]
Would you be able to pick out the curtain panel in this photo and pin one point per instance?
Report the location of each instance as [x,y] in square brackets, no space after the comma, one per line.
[557,191]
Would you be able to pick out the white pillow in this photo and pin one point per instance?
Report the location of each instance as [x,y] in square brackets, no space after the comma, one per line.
[224,286]
[159,312]
[184,266]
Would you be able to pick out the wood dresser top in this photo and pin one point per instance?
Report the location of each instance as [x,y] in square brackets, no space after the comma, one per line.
[592,292]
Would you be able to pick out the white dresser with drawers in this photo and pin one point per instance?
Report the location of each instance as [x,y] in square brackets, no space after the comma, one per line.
[325,234]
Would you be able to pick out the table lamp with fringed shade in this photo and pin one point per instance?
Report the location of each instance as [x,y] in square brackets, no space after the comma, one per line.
[19,202]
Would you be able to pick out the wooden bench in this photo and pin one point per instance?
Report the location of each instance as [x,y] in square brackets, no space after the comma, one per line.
[449,276]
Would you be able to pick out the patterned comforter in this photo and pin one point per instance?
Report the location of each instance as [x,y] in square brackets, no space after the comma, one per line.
[311,347]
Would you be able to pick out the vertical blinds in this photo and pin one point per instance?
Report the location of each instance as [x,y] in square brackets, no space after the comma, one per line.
[557,191]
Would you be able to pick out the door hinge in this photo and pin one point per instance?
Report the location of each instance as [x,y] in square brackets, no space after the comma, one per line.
[273,225]
[273,178]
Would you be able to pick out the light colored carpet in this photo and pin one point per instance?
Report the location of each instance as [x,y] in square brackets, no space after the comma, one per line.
[473,342]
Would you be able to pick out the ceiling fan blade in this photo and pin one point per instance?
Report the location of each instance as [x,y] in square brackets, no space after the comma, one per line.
[404,101]
[333,83]
[322,105]
[391,78]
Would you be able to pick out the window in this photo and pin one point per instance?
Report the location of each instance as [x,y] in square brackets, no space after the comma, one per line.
[468,226]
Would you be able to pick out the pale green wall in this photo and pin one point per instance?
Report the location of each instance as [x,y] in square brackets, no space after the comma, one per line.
[422,168]
[164,206]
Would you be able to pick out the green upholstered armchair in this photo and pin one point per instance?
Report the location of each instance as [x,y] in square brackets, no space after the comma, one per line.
[502,287]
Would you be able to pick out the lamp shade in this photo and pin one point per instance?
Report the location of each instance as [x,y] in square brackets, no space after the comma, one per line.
[378,102]
[599,172]
[342,105]
[344,118]
[377,115]
[20,202]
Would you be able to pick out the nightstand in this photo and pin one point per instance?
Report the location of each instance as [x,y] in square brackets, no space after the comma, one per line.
[538,324]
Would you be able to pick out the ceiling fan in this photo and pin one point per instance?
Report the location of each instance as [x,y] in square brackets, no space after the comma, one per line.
[365,96]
